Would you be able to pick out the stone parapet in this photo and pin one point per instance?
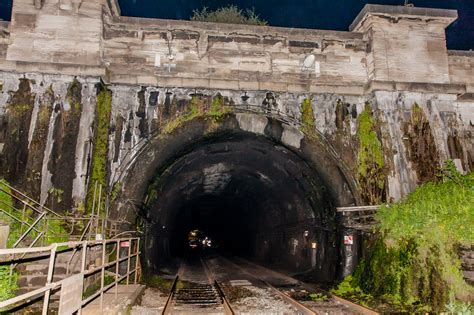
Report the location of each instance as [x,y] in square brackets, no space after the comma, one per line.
[388,47]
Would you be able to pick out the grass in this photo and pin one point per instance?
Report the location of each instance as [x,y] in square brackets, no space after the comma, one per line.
[164,285]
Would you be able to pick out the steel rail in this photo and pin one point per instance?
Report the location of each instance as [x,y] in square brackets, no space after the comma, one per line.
[212,280]
[358,208]
[169,300]
[358,308]
[300,307]
[227,307]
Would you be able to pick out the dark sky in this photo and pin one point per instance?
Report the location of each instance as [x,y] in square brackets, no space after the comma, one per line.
[319,14]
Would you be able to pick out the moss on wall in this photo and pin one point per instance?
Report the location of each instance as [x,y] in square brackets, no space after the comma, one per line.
[197,107]
[308,123]
[98,169]
[421,145]
[14,156]
[370,159]
[413,264]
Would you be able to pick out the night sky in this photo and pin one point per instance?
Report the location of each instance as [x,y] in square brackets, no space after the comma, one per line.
[318,14]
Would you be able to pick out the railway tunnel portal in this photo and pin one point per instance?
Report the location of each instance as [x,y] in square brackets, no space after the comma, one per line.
[256,185]
[129,103]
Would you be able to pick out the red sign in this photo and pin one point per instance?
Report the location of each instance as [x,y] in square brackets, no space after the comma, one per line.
[125,244]
[348,239]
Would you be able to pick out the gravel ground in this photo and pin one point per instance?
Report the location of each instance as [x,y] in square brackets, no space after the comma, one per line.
[152,302]
[263,302]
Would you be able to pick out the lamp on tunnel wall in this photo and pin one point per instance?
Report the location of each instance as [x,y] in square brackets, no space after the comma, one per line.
[308,62]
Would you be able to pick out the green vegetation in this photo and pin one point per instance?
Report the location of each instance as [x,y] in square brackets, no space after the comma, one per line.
[370,159]
[229,14]
[73,96]
[197,108]
[307,117]
[193,112]
[8,284]
[218,108]
[318,297]
[413,265]
[99,156]
[458,308]
[163,284]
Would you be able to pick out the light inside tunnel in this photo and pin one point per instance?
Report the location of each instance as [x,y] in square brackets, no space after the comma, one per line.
[252,197]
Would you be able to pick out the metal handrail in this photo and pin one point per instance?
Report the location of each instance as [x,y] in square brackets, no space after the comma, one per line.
[28,230]
[80,240]
[18,220]
[53,249]
[29,199]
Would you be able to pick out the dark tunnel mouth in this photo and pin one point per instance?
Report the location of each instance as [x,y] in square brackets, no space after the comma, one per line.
[252,196]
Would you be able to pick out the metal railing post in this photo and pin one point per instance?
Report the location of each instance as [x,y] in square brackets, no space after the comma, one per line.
[117,267]
[128,259]
[99,204]
[49,279]
[136,260]
[23,214]
[102,275]
[83,267]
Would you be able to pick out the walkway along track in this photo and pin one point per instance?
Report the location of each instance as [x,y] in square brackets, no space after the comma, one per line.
[196,294]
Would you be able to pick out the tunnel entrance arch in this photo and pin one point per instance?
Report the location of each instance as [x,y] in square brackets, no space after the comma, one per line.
[258,185]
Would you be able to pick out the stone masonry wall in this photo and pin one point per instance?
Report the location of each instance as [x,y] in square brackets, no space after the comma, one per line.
[394,59]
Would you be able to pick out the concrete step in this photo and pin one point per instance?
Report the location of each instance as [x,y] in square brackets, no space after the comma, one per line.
[36,269]
[36,280]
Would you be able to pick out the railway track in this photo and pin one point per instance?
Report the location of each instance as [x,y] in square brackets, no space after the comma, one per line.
[209,286]
[195,291]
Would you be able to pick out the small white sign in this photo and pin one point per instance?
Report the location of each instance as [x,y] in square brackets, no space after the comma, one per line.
[70,298]
[348,239]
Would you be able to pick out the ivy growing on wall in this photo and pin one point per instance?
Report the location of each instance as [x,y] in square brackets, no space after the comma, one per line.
[370,158]
[100,146]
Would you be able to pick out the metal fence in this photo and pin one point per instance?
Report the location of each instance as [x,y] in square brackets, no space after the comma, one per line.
[117,257]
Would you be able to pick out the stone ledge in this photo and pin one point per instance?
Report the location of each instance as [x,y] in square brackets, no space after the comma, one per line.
[49,68]
[467,53]
[237,85]
[402,11]
[466,97]
[222,28]
[440,88]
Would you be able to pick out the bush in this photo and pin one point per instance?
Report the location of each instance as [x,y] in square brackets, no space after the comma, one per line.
[413,264]
[229,14]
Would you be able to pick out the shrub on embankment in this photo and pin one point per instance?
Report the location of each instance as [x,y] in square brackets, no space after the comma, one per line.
[413,263]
